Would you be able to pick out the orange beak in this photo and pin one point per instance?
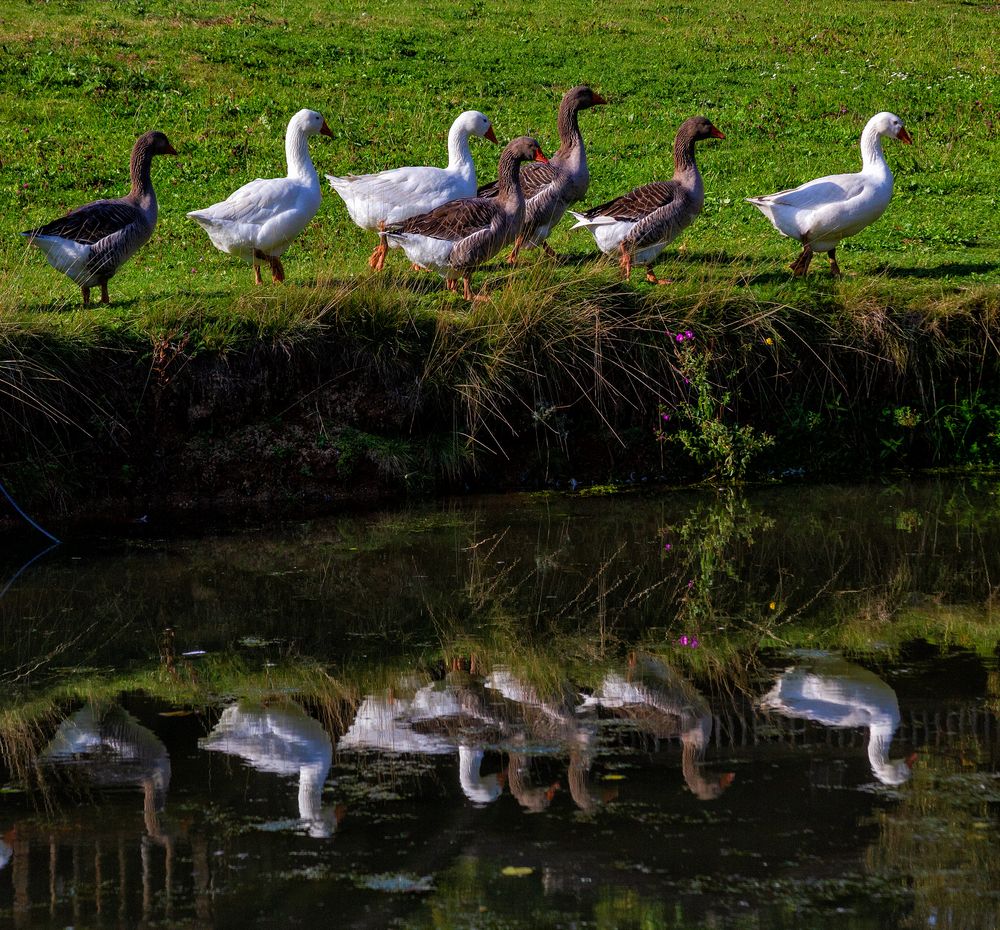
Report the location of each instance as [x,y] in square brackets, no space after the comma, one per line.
[492,136]
[727,779]
[717,134]
[904,137]
[540,157]
[910,759]
[598,99]
[325,130]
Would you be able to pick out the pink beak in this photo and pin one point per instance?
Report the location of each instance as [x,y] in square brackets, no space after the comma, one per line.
[717,134]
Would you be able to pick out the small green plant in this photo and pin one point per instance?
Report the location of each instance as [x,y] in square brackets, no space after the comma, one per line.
[723,448]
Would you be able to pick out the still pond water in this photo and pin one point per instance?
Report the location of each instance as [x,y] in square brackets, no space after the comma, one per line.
[674,710]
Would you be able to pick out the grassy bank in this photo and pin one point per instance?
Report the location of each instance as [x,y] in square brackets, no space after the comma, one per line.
[565,372]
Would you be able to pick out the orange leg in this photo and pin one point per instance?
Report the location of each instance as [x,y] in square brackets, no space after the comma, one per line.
[277,271]
[625,261]
[449,283]
[652,279]
[551,252]
[516,250]
[467,285]
[376,260]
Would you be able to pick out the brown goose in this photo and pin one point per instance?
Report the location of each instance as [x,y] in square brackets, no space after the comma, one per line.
[456,237]
[550,189]
[90,243]
[641,223]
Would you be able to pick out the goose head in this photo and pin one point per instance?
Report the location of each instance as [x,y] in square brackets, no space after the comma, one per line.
[309,123]
[157,143]
[888,124]
[699,128]
[477,124]
[583,98]
[524,148]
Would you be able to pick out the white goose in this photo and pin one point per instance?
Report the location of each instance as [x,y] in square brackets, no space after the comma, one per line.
[821,213]
[258,222]
[375,201]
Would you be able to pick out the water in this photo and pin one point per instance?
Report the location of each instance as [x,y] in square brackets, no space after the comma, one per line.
[676,710]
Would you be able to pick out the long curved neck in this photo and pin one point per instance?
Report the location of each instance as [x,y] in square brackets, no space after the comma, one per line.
[686,170]
[879,741]
[872,159]
[142,184]
[509,181]
[569,130]
[684,163]
[459,156]
[311,781]
[297,153]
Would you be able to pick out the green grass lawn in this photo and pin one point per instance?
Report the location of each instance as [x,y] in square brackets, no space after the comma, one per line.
[791,85]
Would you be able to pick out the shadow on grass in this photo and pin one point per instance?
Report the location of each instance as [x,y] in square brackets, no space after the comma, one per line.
[949,270]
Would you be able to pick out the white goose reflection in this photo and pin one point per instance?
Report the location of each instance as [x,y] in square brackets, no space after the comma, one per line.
[110,748]
[659,701]
[282,740]
[424,717]
[831,691]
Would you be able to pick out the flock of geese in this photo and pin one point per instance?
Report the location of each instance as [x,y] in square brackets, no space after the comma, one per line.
[444,223]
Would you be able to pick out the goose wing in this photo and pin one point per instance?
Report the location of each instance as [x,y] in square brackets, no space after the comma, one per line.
[836,188]
[637,204]
[454,220]
[253,204]
[93,222]
[397,184]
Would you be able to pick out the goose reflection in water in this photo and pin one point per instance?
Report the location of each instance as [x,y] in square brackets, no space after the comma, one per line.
[539,727]
[282,740]
[109,748]
[424,717]
[831,691]
[659,701]
[545,727]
